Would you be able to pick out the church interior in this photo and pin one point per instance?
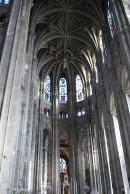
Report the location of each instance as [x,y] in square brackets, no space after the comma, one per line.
[64,97]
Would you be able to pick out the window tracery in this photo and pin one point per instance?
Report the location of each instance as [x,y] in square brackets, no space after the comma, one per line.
[63,166]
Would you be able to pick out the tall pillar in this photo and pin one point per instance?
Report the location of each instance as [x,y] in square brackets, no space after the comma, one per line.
[3,29]
[11,70]
[7,51]
[126,4]
[115,89]
[122,31]
[72,137]
[55,147]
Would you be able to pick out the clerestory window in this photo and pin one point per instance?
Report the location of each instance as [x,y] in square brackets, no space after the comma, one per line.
[4,1]
[79,89]
[62,90]
[47,89]
[111,20]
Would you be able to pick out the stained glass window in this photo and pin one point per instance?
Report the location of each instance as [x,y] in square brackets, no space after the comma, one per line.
[111,20]
[47,89]
[79,89]
[5,1]
[63,166]
[62,90]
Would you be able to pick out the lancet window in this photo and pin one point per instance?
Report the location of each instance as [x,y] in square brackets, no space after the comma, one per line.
[63,166]
[62,90]
[47,89]
[79,89]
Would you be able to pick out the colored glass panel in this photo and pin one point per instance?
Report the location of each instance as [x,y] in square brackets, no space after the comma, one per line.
[62,90]
[63,166]
[79,89]
[111,20]
[5,1]
[47,89]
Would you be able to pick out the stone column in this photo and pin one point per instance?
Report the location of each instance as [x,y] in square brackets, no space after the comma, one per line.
[34,150]
[124,95]
[14,51]
[122,30]
[101,142]
[3,28]
[72,137]
[94,136]
[90,158]
[115,167]
[55,146]
[123,115]
[113,154]
[126,4]
[45,170]
[115,88]
[124,21]
[103,164]
[7,51]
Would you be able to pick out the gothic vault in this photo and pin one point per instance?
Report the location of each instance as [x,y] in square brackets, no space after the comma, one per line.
[64,97]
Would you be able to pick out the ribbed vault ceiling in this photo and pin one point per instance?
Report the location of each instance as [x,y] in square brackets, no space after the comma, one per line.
[63,29]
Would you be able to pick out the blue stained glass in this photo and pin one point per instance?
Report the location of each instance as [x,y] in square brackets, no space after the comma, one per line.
[5,1]
[62,90]
[111,20]
[47,89]
[63,166]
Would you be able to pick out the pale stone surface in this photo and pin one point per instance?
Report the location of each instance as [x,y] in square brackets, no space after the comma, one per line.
[32,142]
